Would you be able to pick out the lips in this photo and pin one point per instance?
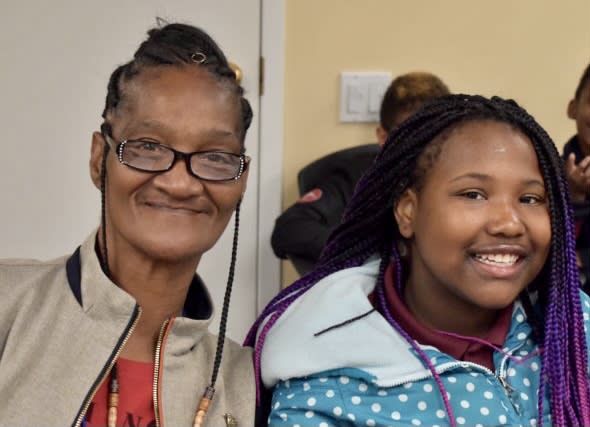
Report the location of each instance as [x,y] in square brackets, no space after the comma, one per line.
[498,262]
[175,207]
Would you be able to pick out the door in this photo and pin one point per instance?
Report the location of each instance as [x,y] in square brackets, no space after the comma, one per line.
[55,61]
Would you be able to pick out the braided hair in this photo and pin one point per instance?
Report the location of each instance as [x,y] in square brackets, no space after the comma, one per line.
[176,45]
[368,227]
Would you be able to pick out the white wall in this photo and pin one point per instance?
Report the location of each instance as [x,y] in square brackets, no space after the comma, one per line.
[55,61]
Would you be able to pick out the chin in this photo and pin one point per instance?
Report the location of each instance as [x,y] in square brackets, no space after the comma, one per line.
[498,300]
[172,249]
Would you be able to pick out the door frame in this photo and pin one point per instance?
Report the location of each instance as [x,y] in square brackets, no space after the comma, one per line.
[270,152]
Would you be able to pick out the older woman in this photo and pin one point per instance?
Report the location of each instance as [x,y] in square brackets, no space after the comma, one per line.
[116,333]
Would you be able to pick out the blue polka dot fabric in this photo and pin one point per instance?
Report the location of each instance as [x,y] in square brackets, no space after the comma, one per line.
[477,396]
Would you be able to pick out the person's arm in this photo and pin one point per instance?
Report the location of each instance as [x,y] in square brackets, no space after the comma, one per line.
[308,402]
[303,229]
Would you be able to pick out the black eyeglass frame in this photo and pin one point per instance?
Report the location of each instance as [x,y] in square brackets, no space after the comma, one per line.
[119,146]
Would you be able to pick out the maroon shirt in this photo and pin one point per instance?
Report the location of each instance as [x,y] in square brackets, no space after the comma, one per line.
[460,349]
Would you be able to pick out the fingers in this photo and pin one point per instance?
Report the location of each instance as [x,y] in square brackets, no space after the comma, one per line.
[570,163]
[583,165]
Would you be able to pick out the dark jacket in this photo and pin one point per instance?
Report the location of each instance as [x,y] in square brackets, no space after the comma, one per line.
[581,216]
[326,185]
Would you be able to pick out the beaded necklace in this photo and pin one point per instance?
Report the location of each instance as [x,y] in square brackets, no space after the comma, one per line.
[113,398]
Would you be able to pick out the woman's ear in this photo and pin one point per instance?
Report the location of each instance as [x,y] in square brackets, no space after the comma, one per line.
[96,149]
[405,213]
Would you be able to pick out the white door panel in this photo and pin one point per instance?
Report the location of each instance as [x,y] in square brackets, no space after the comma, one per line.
[55,60]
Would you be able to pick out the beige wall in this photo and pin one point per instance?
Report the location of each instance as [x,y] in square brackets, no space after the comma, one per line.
[531,50]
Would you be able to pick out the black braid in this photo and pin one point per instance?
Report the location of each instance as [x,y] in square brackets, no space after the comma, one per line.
[226,298]
[104,261]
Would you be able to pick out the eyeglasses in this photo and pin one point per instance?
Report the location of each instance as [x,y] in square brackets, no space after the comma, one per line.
[149,156]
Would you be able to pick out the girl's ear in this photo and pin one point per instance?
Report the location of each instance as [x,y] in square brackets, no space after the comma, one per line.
[405,213]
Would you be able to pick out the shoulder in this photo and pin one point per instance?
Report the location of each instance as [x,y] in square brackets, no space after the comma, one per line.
[236,381]
[237,361]
[313,335]
[17,275]
[25,285]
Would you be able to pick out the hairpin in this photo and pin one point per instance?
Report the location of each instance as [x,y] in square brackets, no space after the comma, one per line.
[198,57]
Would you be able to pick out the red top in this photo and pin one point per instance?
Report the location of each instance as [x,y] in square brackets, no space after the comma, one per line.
[135,397]
[460,349]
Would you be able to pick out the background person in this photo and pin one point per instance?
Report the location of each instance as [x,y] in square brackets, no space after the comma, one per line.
[576,154]
[300,233]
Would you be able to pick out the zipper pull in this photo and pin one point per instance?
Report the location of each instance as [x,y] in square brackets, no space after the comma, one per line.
[509,392]
[505,384]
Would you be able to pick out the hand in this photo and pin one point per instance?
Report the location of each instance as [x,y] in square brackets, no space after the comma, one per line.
[578,176]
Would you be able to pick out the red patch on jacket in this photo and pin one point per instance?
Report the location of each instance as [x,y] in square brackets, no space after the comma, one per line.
[311,196]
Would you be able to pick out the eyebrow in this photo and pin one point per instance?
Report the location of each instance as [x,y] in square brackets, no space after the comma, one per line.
[484,177]
[213,132]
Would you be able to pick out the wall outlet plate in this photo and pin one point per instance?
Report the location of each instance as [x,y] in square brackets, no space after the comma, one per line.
[361,94]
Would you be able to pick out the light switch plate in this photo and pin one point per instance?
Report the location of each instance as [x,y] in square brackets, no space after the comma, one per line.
[361,94]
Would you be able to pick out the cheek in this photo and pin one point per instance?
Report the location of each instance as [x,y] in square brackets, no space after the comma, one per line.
[543,234]
[225,196]
[122,182]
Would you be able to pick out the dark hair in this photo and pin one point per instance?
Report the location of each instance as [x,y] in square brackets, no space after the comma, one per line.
[368,227]
[178,45]
[407,93]
[584,80]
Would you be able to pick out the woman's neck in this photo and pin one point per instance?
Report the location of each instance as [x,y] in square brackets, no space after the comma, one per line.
[160,289]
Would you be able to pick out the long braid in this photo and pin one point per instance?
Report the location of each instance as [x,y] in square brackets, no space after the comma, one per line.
[558,323]
[104,260]
[226,298]
[564,347]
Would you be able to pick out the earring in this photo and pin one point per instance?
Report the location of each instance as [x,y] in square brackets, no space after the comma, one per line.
[402,248]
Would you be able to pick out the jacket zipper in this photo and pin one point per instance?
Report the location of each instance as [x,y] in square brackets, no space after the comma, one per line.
[110,363]
[157,360]
[504,373]
[501,376]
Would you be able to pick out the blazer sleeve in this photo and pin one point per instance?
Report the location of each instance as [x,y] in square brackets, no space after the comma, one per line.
[303,229]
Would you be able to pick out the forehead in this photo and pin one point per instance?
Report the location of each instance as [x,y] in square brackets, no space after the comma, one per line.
[486,147]
[184,100]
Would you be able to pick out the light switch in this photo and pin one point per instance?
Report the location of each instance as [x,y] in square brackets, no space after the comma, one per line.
[376,91]
[361,94]
[356,98]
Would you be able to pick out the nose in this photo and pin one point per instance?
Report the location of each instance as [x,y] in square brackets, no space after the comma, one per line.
[178,181]
[505,219]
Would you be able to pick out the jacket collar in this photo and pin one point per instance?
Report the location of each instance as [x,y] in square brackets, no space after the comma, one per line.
[370,344]
[105,302]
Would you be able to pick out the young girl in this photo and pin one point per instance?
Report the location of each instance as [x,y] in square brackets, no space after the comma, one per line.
[117,333]
[449,293]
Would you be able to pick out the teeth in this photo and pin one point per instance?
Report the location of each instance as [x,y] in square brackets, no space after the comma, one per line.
[495,259]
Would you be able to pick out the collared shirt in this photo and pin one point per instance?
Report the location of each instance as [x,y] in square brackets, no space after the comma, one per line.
[460,349]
